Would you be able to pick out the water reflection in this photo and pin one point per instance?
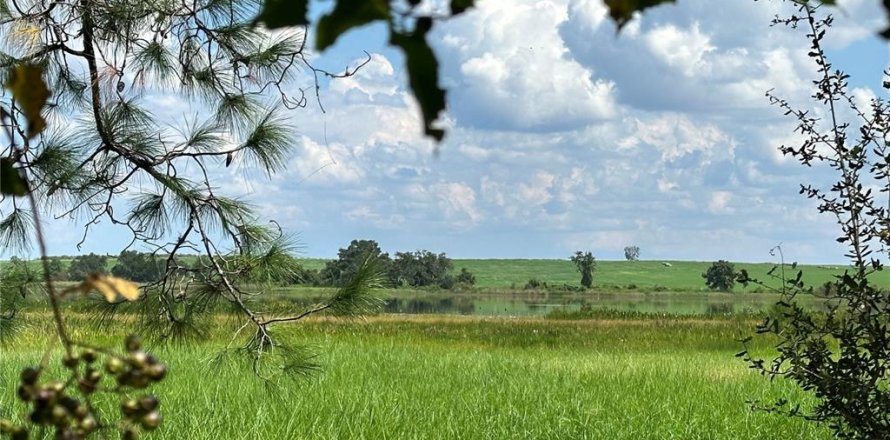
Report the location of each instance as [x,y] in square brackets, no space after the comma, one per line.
[512,306]
[420,306]
[542,304]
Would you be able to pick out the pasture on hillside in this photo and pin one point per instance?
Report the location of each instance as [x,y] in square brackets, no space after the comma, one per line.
[627,275]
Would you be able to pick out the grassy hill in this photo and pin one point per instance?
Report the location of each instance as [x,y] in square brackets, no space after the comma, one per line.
[611,275]
[679,275]
[644,275]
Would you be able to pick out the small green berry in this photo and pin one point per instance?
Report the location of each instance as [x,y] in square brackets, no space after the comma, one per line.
[70,361]
[156,372]
[114,365]
[27,393]
[89,355]
[151,420]
[138,359]
[59,415]
[129,434]
[93,375]
[88,425]
[20,433]
[81,412]
[133,343]
[30,375]
[130,407]
[149,403]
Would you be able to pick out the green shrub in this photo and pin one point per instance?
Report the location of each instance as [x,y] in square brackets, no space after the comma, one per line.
[720,276]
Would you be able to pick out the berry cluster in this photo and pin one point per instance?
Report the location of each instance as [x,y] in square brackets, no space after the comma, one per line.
[137,369]
[51,406]
[73,418]
[143,412]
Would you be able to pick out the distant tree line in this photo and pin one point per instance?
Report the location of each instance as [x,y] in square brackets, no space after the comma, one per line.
[417,269]
[420,268]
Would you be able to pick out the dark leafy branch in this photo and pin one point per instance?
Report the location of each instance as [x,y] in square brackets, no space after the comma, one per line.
[840,355]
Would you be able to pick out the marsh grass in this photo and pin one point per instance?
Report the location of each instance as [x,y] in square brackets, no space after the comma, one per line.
[435,377]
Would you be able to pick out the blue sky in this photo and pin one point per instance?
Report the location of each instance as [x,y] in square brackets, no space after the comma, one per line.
[562,137]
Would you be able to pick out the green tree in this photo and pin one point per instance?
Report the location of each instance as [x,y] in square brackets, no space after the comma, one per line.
[465,277]
[720,276]
[17,280]
[421,268]
[350,260]
[306,276]
[57,270]
[138,266]
[84,265]
[631,253]
[586,264]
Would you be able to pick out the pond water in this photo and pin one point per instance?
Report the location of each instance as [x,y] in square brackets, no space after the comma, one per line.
[507,306]
[538,305]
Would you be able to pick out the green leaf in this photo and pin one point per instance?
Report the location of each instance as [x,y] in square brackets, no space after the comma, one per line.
[347,15]
[282,13]
[11,181]
[423,74]
[29,90]
[623,10]
[886,32]
[459,6]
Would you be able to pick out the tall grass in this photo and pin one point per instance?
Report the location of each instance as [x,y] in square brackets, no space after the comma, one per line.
[466,378]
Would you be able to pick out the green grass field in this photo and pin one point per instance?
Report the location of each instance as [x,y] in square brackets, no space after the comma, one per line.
[632,374]
[465,378]
[641,275]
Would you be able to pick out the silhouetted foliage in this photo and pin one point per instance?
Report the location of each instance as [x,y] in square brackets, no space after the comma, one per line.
[841,356]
